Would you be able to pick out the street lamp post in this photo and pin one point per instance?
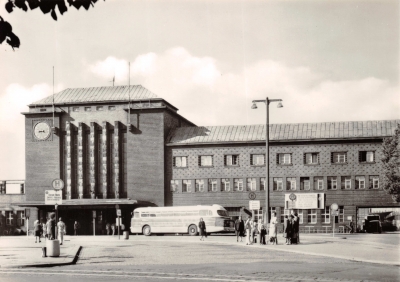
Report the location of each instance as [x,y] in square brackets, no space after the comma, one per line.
[56,229]
[254,106]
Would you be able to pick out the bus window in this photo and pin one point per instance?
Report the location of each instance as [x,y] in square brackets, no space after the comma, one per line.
[222,213]
[136,214]
[152,215]
[209,213]
[145,215]
[203,213]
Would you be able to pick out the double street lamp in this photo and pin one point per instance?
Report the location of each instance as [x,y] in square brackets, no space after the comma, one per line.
[266,186]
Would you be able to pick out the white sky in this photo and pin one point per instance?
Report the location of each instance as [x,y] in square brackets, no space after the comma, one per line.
[328,60]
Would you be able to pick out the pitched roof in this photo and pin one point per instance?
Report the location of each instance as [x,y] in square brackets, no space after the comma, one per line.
[98,94]
[283,132]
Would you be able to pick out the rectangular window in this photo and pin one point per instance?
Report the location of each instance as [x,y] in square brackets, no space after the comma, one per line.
[9,218]
[311,158]
[237,184]
[339,157]
[257,160]
[325,215]
[332,182]
[318,183]
[111,108]
[251,184]
[88,109]
[300,215]
[312,216]
[212,185]
[290,183]
[205,160]
[305,183]
[366,156]
[99,108]
[75,109]
[262,184]
[186,186]
[179,161]
[284,159]
[341,214]
[374,182]
[199,185]
[174,185]
[225,185]
[20,218]
[278,184]
[346,182]
[360,182]
[230,160]
[283,213]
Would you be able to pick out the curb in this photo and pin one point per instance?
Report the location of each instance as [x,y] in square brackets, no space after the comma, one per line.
[76,257]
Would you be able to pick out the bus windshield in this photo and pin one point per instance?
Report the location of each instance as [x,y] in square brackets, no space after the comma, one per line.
[222,213]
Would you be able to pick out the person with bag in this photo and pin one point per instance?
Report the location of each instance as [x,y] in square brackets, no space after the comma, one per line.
[202,228]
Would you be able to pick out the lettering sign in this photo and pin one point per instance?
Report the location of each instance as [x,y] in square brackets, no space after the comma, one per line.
[92,175]
[68,152]
[53,197]
[254,205]
[305,201]
[118,212]
[80,160]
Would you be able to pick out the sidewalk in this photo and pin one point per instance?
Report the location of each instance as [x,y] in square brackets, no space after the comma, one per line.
[21,251]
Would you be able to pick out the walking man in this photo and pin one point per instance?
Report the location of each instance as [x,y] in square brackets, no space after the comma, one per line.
[76,227]
[61,230]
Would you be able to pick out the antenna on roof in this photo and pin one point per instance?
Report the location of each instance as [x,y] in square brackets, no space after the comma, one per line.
[113,80]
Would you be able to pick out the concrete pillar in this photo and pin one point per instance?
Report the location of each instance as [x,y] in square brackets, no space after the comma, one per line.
[69,160]
[104,159]
[80,160]
[116,159]
[53,248]
[92,159]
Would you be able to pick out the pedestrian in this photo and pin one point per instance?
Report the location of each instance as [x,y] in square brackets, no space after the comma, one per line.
[38,230]
[61,230]
[263,233]
[295,231]
[273,229]
[239,228]
[286,229]
[76,227]
[248,230]
[351,226]
[256,232]
[108,228]
[51,227]
[202,227]
[113,229]
[44,230]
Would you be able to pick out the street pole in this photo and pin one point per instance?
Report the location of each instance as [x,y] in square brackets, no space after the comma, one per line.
[266,220]
[56,229]
[27,226]
[334,225]
[119,224]
[94,227]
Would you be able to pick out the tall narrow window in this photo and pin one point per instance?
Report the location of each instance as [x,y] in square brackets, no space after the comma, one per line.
[199,185]
[179,161]
[237,184]
[212,185]
[283,213]
[9,218]
[225,185]
[186,186]
[366,156]
[290,183]
[251,184]
[312,216]
[21,218]
[262,184]
[341,214]
[374,182]
[284,159]
[231,160]
[325,215]
[278,184]
[346,182]
[205,160]
[174,185]
[339,157]
[360,182]
[257,160]
[311,158]
[332,182]
[305,183]
[318,183]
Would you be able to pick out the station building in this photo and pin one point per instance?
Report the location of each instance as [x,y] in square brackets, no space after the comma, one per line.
[124,147]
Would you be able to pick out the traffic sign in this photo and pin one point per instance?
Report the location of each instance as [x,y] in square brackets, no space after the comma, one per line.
[254,205]
[334,213]
[57,184]
[118,212]
[52,197]
[334,207]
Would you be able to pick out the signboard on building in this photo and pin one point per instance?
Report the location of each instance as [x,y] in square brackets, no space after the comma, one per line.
[254,205]
[57,184]
[53,197]
[304,201]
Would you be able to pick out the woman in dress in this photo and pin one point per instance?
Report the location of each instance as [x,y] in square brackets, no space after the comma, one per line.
[273,230]
[202,227]
[248,230]
[38,230]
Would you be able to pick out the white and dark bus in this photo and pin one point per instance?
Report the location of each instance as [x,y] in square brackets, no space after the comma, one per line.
[183,219]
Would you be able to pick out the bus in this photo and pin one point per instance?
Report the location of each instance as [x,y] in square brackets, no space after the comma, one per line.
[183,219]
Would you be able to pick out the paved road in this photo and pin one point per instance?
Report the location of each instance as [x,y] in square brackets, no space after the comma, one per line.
[155,259]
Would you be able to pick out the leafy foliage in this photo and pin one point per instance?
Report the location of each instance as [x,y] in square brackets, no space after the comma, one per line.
[391,165]
[46,6]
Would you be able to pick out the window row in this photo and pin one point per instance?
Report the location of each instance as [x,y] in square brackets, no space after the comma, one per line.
[12,219]
[97,108]
[312,215]
[332,183]
[211,185]
[281,159]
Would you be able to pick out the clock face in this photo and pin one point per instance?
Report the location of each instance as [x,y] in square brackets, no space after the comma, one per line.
[42,130]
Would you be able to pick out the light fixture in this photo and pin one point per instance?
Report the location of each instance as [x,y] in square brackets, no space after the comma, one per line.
[279,105]
[254,106]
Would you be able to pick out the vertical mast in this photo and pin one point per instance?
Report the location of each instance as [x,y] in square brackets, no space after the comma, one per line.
[53,98]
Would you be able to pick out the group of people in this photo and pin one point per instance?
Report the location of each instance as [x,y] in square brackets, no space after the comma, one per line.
[257,232]
[291,229]
[48,229]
